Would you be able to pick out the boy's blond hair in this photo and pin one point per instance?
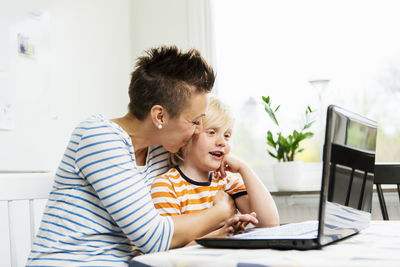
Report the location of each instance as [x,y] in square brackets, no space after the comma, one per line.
[218,114]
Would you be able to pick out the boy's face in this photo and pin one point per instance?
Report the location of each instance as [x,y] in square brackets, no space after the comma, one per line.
[209,147]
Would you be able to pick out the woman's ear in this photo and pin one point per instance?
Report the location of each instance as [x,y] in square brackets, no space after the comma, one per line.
[158,116]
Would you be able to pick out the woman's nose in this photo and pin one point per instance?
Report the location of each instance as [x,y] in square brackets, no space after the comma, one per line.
[198,129]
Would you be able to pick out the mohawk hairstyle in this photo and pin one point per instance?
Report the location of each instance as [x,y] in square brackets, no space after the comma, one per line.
[167,76]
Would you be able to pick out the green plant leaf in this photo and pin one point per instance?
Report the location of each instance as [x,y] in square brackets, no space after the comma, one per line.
[290,137]
[301,137]
[308,134]
[280,152]
[272,154]
[285,142]
[270,139]
[298,138]
[308,125]
[271,114]
[266,99]
[271,144]
[270,110]
[286,146]
[295,135]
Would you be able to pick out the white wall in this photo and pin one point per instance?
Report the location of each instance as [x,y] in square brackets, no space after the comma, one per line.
[86,54]
[185,23]
[156,22]
[82,67]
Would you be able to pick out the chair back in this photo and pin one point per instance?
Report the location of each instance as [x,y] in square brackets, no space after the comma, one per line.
[353,170]
[23,197]
[386,174]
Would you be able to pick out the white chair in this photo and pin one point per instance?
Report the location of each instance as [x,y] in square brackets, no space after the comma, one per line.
[23,197]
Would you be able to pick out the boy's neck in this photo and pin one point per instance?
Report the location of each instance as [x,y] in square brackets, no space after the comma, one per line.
[194,173]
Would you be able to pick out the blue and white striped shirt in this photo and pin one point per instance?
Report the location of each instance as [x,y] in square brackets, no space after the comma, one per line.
[100,211]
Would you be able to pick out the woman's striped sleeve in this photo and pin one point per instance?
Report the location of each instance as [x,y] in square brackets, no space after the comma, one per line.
[123,190]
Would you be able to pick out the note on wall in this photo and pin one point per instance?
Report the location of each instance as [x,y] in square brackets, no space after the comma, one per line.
[7,112]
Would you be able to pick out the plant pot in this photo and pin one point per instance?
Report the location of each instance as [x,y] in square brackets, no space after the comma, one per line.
[288,176]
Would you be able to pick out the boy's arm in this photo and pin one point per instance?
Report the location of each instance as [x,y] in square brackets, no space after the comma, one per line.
[258,198]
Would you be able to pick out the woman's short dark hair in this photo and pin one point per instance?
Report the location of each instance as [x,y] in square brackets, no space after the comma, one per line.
[167,76]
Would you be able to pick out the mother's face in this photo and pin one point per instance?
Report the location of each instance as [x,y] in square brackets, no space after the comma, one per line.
[178,131]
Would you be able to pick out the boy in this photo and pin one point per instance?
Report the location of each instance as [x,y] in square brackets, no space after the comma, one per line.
[201,169]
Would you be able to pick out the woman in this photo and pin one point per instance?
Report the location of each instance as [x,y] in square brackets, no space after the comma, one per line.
[100,210]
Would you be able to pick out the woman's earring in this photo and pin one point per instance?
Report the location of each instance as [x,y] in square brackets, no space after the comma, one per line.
[160,126]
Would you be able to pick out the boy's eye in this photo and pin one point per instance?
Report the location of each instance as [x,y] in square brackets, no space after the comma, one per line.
[227,136]
[211,132]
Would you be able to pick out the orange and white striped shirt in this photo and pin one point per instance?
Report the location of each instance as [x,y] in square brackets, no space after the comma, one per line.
[174,193]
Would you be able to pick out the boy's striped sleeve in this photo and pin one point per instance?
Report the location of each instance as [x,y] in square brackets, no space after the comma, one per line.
[235,186]
[164,197]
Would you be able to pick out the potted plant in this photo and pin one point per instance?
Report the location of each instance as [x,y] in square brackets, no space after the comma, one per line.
[287,172]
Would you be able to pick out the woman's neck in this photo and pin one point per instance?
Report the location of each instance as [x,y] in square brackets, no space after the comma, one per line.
[193,172]
[139,133]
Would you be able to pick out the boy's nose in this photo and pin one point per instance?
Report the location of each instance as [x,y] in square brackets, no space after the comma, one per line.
[221,140]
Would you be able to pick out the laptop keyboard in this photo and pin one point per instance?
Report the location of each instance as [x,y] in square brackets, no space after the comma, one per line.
[308,229]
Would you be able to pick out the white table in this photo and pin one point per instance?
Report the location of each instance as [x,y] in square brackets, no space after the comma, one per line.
[378,245]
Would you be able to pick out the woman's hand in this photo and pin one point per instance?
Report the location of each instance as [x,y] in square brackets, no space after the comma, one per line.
[224,231]
[225,202]
[239,222]
[233,225]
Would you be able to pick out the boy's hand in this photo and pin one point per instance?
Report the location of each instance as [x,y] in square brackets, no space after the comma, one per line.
[230,163]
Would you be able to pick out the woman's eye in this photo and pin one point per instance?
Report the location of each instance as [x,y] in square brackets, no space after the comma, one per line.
[196,122]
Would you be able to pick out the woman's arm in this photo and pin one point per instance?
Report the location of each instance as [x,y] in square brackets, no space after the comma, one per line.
[188,227]
[258,198]
[123,201]
[233,225]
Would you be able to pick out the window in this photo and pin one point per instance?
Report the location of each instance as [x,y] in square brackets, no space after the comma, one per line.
[275,48]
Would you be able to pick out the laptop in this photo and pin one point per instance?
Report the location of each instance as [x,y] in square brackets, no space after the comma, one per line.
[345,197]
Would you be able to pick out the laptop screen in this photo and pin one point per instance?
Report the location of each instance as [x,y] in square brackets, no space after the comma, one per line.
[348,174]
